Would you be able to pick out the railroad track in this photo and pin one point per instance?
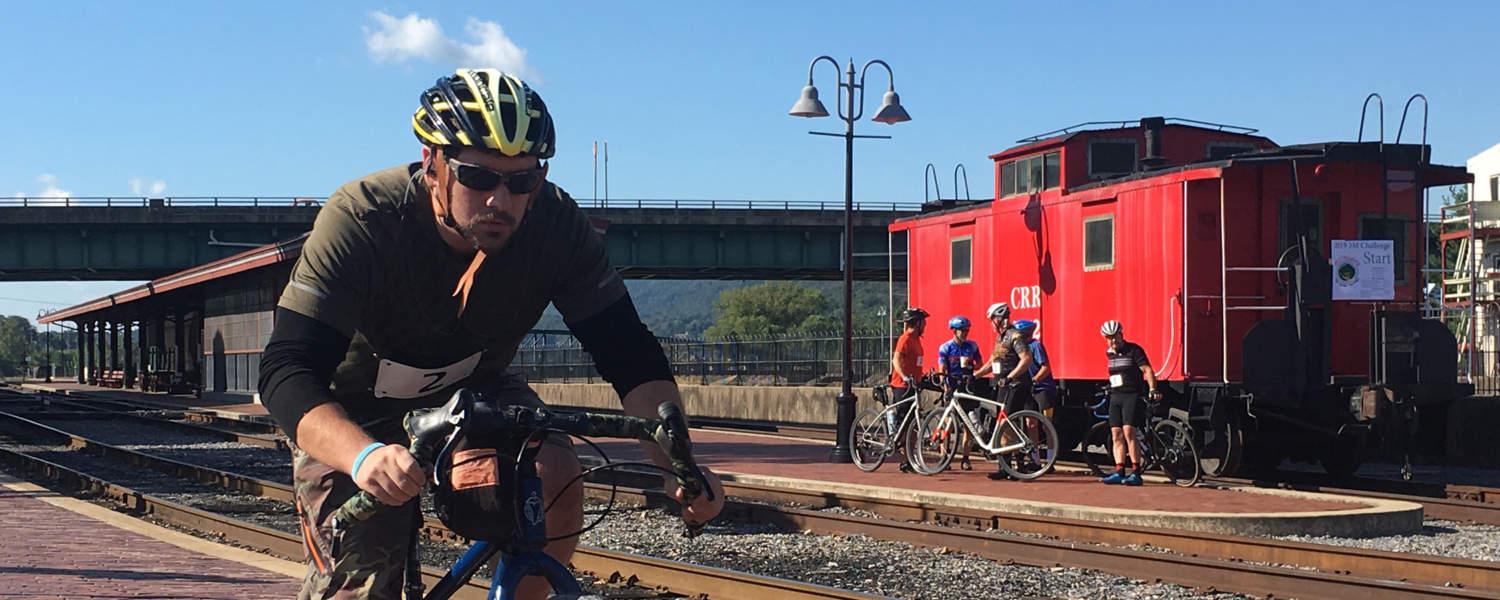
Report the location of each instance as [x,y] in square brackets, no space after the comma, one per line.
[1207,561]
[674,577]
[1461,503]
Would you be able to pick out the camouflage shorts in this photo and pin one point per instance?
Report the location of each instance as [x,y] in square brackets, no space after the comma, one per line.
[366,560]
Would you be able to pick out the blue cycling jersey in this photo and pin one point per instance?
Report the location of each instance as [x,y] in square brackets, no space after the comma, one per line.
[950,353]
[1039,358]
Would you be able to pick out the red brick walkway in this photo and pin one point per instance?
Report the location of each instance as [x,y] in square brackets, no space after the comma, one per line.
[49,552]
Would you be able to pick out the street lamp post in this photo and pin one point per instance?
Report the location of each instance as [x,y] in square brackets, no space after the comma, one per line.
[850,111]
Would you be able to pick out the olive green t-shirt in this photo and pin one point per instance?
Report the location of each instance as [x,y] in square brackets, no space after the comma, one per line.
[376,269]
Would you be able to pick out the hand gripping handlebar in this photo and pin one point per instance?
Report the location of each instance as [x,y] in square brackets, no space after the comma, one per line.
[468,413]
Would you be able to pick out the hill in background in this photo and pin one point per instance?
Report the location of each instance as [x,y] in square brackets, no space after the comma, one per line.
[673,307]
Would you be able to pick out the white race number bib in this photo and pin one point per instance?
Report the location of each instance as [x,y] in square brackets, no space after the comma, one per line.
[395,380]
[1116,380]
[919,361]
[995,368]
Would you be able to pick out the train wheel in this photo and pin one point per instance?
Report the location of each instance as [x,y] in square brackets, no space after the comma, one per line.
[1342,457]
[1220,450]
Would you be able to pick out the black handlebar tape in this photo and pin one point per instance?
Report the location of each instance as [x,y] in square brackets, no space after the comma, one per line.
[675,441]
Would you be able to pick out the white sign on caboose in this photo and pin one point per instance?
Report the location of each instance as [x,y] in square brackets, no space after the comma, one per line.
[1363,269]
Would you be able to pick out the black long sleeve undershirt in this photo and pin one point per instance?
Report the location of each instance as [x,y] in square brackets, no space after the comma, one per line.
[624,350]
[297,365]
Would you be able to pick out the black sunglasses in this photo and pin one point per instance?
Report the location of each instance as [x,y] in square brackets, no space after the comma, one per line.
[483,179]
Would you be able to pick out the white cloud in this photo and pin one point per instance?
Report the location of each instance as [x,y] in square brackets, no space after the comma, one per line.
[52,189]
[139,187]
[52,193]
[413,37]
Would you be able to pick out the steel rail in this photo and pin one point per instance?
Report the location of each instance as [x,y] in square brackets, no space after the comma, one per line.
[224,479]
[96,412]
[1414,568]
[207,415]
[1459,504]
[1468,504]
[673,576]
[1373,564]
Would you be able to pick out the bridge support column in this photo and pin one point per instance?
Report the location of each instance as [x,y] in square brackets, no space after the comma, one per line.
[129,357]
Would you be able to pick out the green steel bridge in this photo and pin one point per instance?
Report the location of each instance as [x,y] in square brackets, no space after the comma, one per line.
[49,239]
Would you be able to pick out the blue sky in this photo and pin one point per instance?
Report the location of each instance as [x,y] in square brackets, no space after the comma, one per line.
[295,98]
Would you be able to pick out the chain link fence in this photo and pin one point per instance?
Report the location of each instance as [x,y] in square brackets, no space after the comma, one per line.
[800,359]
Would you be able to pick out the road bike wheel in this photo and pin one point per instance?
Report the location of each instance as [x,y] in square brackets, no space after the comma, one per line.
[869,440]
[1033,460]
[1098,448]
[1177,454]
[931,443]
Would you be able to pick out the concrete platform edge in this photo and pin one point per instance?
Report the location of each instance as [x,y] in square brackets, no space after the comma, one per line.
[1375,517]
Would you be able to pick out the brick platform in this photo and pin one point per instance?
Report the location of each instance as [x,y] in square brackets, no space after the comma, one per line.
[52,552]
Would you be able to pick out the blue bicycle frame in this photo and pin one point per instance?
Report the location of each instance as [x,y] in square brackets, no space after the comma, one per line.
[525,556]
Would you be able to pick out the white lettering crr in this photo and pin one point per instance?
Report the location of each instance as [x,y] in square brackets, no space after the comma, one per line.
[1023,297]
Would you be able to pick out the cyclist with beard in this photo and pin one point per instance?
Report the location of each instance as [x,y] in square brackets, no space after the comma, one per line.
[424,278]
[1009,363]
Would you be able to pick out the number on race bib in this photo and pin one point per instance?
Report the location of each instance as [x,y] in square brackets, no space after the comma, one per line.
[1116,380]
[395,380]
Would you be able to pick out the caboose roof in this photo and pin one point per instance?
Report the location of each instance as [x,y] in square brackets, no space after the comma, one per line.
[1058,137]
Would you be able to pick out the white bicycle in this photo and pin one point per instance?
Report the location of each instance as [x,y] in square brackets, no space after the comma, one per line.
[1024,443]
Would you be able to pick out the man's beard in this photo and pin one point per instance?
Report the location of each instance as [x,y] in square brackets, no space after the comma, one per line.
[490,242]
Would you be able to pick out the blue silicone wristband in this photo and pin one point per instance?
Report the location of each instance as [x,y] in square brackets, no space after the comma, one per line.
[359,460]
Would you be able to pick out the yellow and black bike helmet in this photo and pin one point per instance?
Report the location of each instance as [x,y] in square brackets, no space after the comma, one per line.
[486,109]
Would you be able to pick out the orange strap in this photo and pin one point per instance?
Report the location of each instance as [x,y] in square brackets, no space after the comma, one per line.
[475,467]
[466,282]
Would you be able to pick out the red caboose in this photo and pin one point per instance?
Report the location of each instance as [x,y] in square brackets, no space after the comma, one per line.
[1210,245]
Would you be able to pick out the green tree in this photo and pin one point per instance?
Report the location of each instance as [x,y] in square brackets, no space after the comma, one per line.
[17,341]
[776,307]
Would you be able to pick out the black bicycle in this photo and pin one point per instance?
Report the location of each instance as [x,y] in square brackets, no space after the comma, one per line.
[434,433]
[1164,442]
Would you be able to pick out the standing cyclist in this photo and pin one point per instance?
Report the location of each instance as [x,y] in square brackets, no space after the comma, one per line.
[1009,362]
[424,278]
[1043,385]
[906,366]
[1130,374]
[958,356]
[906,358]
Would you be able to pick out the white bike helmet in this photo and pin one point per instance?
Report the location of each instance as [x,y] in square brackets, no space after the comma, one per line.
[998,309]
[1109,328]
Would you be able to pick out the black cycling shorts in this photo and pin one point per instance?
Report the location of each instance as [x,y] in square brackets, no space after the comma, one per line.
[1045,399]
[1126,408]
[1015,396]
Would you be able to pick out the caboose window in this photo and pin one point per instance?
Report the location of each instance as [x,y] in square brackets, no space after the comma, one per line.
[1312,221]
[1218,150]
[963,259]
[1052,169]
[1495,187]
[1110,158]
[1373,227]
[1099,242]
[1030,175]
